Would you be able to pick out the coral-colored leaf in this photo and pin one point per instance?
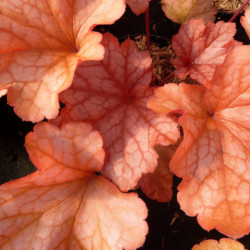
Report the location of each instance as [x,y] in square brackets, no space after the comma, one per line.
[112,95]
[114,220]
[138,6]
[68,151]
[181,11]
[158,185]
[41,44]
[221,201]
[63,205]
[213,158]
[200,48]
[245,21]
[223,244]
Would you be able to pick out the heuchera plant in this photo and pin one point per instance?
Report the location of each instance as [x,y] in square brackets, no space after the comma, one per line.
[116,133]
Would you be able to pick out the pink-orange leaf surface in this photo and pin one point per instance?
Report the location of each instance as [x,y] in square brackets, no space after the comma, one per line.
[3,92]
[138,6]
[201,47]
[112,95]
[223,244]
[64,205]
[181,11]
[158,185]
[245,21]
[214,157]
[41,43]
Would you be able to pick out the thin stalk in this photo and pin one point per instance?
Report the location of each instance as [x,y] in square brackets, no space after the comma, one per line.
[238,11]
[166,79]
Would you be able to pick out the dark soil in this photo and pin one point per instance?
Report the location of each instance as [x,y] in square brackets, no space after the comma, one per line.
[229,6]
[14,160]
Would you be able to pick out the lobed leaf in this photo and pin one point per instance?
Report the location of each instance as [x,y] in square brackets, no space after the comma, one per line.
[181,11]
[63,205]
[112,95]
[213,158]
[223,244]
[200,48]
[40,46]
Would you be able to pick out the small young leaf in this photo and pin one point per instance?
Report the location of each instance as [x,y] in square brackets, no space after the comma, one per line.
[138,6]
[200,48]
[181,11]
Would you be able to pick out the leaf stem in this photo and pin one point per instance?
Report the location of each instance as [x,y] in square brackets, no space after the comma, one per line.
[238,11]
[166,79]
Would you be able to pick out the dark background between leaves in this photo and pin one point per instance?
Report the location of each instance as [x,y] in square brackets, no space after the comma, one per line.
[184,232]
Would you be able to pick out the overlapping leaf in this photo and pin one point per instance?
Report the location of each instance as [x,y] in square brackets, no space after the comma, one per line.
[213,158]
[223,244]
[63,205]
[181,11]
[158,185]
[138,6]
[112,94]
[200,48]
[245,21]
[41,43]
